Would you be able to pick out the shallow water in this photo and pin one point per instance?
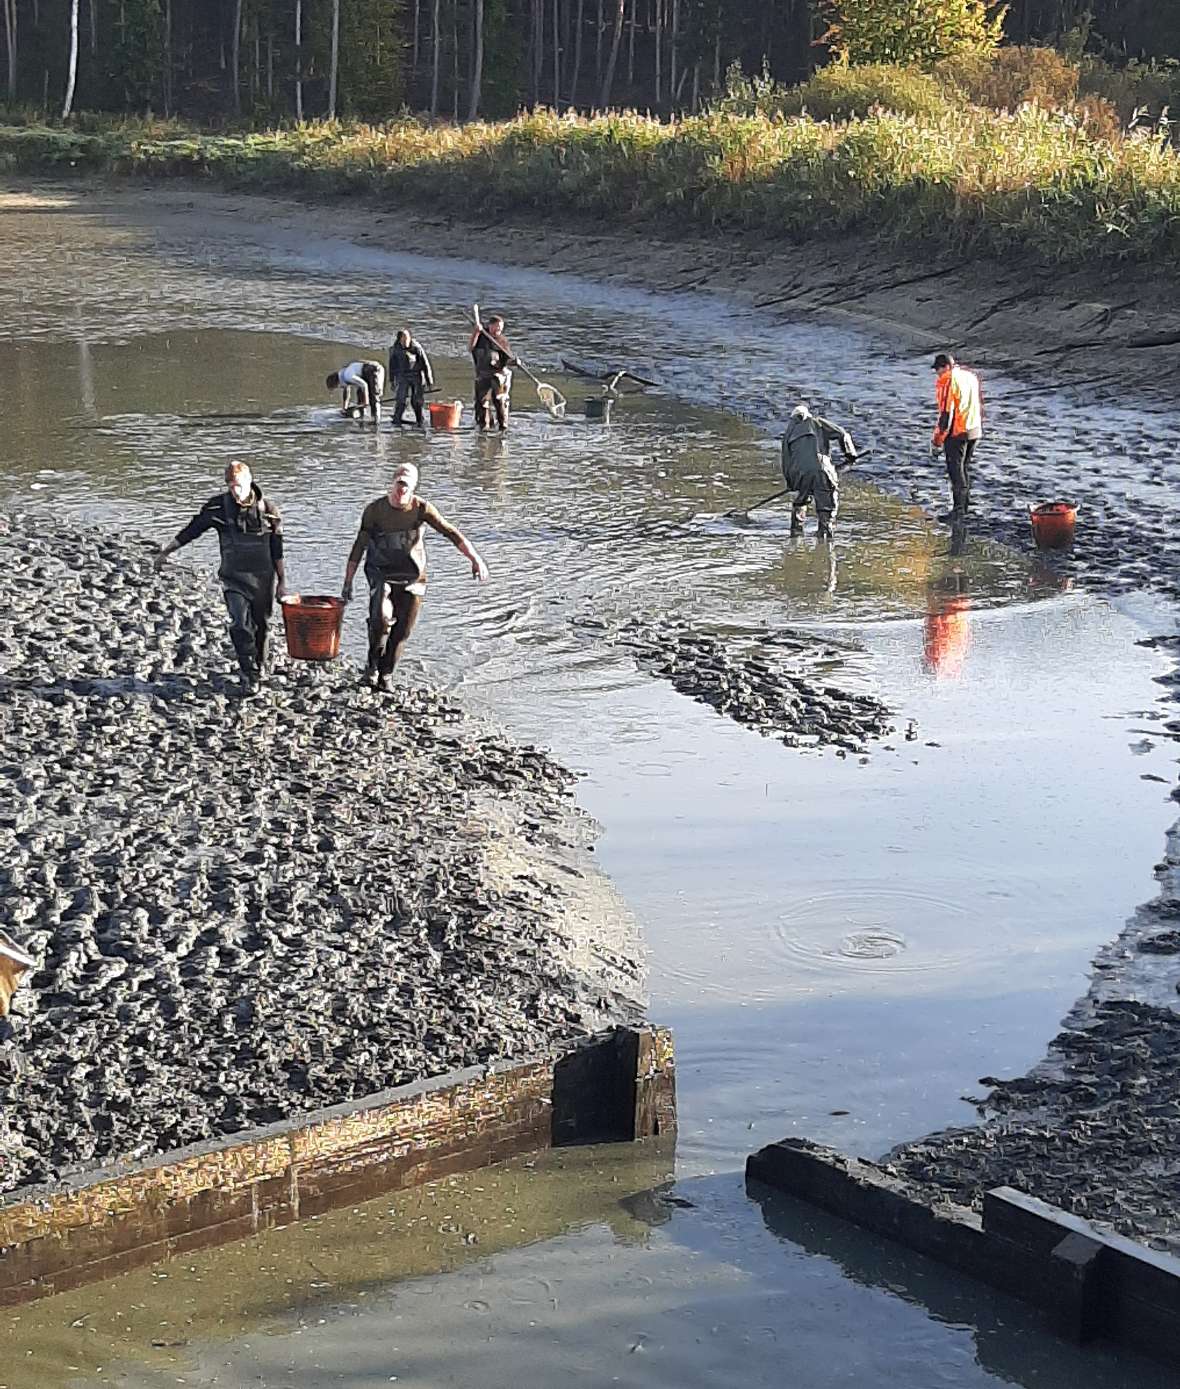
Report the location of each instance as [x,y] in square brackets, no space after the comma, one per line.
[842,946]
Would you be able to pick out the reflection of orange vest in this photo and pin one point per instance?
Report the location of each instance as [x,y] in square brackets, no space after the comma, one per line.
[947,638]
[960,414]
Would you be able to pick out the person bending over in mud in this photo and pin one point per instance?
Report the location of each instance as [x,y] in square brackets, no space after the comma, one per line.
[364,379]
[411,375]
[392,543]
[250,534]
[808,468]
[493,376]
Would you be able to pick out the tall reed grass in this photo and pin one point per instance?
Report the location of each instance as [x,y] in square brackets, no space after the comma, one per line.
[1029,182]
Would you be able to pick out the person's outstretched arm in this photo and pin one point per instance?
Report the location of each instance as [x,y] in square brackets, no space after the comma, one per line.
[200,523]
[479,569]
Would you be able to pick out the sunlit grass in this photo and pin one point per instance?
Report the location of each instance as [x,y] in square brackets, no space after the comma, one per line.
[1031,181]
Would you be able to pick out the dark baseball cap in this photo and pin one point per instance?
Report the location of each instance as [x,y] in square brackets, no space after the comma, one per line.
[944,359]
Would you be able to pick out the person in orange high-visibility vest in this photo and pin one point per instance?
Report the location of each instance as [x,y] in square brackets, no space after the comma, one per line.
[958,430]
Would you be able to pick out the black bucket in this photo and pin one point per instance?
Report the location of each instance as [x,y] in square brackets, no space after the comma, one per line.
[599,408]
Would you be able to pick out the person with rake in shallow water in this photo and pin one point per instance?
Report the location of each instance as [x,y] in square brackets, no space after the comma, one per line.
[392,543]
[808,469]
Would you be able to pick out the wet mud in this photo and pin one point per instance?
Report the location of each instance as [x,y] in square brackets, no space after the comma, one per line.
[1095,1127]
[780,685]
[245,909]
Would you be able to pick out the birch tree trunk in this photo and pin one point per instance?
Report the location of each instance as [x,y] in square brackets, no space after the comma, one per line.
[10,35]
[556,55]
[435,54]
[673,85]
[417,49]
[578,27]
[299,60]
[616,39]
[334,68]
[455,61]
[235,54]
[659,47]
[167,56]
[476,64]
[73,67]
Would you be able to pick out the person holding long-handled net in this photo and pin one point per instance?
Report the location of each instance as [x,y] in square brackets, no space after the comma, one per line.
[494,360]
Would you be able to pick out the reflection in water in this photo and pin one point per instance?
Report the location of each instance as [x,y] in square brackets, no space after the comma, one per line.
[946,633]
[1004,1334]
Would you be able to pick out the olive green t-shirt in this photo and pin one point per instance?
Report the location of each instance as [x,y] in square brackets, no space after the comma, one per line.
[391,540]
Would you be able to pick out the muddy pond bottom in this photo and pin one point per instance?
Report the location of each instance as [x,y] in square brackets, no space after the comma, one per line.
[843,946]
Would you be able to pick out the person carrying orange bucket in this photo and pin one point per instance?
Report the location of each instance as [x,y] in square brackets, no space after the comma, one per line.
[250,536]
[391,541]
[958,429]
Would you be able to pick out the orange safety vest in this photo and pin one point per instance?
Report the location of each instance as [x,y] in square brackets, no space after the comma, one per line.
[960,410]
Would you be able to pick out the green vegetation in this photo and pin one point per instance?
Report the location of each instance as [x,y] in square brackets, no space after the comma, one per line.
[1031,181]
[914,31]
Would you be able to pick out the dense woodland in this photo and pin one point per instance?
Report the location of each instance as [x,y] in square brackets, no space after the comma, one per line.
[267,60]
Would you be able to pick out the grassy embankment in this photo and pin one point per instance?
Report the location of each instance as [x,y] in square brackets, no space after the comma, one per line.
[891,152]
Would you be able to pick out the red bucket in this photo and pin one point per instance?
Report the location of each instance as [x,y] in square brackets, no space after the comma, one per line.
[312,622]
[445,414]
[1053,524]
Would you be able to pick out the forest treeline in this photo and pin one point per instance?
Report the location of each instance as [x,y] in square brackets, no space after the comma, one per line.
[267,61]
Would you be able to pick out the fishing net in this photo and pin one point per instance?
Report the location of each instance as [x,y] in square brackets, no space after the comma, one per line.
[552,399]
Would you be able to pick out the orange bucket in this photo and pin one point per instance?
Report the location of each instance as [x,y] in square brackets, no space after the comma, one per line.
[312,622]
[445,414]
[1053,524]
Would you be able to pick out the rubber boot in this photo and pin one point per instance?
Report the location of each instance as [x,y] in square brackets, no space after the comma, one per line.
[796,522]
[376,648]
[825,526]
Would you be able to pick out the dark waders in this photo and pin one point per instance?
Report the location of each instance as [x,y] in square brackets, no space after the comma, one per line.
[960,451]
[391,570]
[247,577]
[409,388]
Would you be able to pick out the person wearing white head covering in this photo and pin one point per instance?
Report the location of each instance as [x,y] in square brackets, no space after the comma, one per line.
[808,468]
[392,542]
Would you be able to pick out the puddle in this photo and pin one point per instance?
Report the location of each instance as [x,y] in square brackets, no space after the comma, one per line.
[842,947]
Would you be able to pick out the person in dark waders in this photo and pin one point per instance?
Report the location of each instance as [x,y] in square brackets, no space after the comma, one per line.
[957,431]
[250,534]
[412,376]
[493,376]
[808,468]
[391,540]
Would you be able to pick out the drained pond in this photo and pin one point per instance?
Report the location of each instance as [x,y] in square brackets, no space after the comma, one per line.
[849,917]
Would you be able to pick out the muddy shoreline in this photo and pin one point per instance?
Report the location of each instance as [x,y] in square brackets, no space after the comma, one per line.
[242,910]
